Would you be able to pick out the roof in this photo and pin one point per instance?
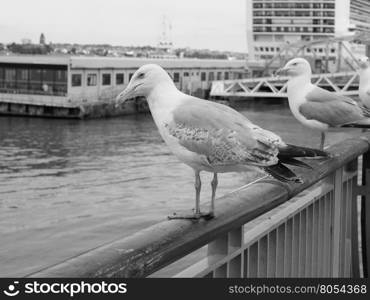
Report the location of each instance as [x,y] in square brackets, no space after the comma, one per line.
[134,63]
[35,59]
[92,62]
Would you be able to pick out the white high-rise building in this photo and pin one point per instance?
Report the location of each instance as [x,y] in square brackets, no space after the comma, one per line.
[272,24]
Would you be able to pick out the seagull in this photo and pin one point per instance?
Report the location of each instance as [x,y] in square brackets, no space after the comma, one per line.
[364,87]
[318,108]
[211,137]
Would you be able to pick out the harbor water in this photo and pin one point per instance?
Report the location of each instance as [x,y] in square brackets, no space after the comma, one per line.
[68,186]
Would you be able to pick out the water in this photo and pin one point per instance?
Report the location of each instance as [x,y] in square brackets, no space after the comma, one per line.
[67,186]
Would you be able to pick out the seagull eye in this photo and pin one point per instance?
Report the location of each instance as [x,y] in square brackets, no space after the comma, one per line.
[141,75]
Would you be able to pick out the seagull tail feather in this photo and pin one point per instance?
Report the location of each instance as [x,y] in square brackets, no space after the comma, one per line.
[357,125]
[289,151]
[282,173]
[294,162]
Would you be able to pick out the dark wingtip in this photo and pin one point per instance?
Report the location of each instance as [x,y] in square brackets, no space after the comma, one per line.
[298,151]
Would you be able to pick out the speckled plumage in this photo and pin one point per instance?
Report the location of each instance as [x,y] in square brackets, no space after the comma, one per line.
[208,136]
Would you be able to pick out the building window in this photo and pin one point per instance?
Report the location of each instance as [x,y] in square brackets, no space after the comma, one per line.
[35,79]
[203,76]
[106,79]
[186,74]
[176,77]
[91,80]
[219,75]
[211,76]
[120,78]
[226,75]
[76,79]
[22,79]
[10,78]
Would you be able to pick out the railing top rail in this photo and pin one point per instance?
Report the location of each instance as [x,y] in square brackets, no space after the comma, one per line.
[153,248]
[285,78]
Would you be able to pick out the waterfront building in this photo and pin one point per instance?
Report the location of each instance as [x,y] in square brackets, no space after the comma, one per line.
[274,24]
[87,86]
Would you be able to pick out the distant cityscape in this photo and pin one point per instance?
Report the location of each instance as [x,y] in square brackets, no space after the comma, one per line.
[162,50]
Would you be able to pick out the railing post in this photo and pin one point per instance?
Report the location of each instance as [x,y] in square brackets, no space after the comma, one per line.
[338,187]
[365,214]
[355,260]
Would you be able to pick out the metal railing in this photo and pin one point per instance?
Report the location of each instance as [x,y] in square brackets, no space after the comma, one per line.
[265,229]
[344,83]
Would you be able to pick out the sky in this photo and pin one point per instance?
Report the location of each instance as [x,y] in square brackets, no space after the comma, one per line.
[211,24]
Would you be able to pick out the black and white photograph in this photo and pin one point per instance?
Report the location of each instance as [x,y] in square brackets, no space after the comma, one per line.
[184,139]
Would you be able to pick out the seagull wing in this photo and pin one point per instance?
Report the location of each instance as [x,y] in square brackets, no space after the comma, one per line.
[221,134]
[332,109]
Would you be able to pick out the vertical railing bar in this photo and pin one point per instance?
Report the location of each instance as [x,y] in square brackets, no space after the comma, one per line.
[253,260]
[327,236]
[309,221]
[271,254]
[336,221]
[342,240]
[287,267]
[262,257]
[365,214]
[242,264]
[295,247]
[355,264]
[245,267]
[280,249]
[302,246]
[331,232]
[322,235]
[315,241]
[347,236]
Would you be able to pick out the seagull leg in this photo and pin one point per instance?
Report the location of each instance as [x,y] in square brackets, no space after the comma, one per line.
[197,214]
[322,143]
[198,185]
[214,184]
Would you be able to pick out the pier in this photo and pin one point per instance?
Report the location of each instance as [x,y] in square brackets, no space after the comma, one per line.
[343,83]
[86,87]
[320,228]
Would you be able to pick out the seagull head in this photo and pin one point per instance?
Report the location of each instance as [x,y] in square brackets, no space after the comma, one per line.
[363,62]
[296,67]
[144,81]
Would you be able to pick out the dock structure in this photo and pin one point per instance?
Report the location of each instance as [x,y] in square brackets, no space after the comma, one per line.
[79,87]
[342,83]
[334,70]
[264,229]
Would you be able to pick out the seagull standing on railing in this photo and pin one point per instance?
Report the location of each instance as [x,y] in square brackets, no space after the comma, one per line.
[364,86]
[318,108]
[209,136]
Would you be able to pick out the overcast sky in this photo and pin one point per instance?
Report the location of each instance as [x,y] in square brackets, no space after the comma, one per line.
[213,24]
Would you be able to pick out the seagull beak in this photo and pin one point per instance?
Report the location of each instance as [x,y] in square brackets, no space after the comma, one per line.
[127,93]
[282,71]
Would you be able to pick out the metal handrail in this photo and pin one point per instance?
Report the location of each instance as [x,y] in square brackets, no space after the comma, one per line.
[153,248]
